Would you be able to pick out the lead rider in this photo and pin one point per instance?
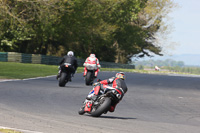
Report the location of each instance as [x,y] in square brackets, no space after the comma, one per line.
[103,86]
[71,59]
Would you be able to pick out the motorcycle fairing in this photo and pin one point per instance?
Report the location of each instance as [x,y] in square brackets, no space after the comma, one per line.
[96,90]
[88,106]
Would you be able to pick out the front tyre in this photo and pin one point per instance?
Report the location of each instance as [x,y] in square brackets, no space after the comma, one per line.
[103,107]
[81,111]
[63,80]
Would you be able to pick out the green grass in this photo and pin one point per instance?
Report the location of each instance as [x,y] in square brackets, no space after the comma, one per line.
[8,131]
[152,71]
[12,70]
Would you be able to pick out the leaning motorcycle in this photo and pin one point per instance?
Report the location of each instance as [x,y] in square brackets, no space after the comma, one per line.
[65,74]
[90,75]
[100,104]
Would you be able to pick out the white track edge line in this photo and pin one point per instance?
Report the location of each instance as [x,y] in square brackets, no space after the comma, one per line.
[6,80]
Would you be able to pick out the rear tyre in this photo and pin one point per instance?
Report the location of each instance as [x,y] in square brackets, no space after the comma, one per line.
[88,78]
[63,80]
[104,107]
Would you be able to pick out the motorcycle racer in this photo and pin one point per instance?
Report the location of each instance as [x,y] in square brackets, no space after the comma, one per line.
[103,86]
[92,60]
[69,58]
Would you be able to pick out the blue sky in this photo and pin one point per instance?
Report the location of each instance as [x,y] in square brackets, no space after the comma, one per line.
[185,23]
[186,27]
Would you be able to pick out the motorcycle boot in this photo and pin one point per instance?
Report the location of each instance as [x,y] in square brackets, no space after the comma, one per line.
[58,75]
[70,79]
[59,72]
[112,108]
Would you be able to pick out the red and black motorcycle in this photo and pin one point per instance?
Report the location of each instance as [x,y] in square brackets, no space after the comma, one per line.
[101,103]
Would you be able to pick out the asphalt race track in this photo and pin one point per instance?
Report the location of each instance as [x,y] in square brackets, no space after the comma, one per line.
[153,104]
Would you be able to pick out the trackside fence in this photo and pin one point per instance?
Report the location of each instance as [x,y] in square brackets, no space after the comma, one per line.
[51,60]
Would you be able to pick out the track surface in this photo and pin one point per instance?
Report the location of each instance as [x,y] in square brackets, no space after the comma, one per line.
[153,104]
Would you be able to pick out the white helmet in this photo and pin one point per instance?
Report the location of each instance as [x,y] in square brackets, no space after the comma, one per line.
[92,55]
[70,53]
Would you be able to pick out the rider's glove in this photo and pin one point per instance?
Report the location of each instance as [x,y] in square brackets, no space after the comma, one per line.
[97,83]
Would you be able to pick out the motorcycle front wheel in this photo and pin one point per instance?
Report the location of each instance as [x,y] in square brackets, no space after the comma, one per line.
[81,111]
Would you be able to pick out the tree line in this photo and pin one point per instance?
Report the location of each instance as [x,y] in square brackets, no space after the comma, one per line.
[115,30]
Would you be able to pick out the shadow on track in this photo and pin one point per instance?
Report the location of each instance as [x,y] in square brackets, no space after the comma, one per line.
[68,86]
[115,117]
[112,117]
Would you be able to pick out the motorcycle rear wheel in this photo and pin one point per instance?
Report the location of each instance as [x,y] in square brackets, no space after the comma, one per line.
[104,107]
[63,80]
[88,78]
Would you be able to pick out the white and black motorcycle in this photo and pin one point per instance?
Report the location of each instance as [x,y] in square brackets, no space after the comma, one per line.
[90,75]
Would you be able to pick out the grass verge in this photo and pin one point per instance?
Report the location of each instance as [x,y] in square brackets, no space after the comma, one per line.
[10,70]
[13,70]
[8,131]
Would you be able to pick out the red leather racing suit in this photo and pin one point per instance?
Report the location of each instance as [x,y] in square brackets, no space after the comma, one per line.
[94,62]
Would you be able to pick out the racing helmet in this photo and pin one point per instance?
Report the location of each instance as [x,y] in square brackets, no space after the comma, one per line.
[70,53]
[120,75]
[92,55]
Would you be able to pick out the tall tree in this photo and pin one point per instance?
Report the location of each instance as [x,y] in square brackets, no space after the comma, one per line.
[28,26]
[151,20]
[137,37]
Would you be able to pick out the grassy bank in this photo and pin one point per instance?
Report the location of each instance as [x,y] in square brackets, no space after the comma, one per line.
[8,131]
[12,70]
